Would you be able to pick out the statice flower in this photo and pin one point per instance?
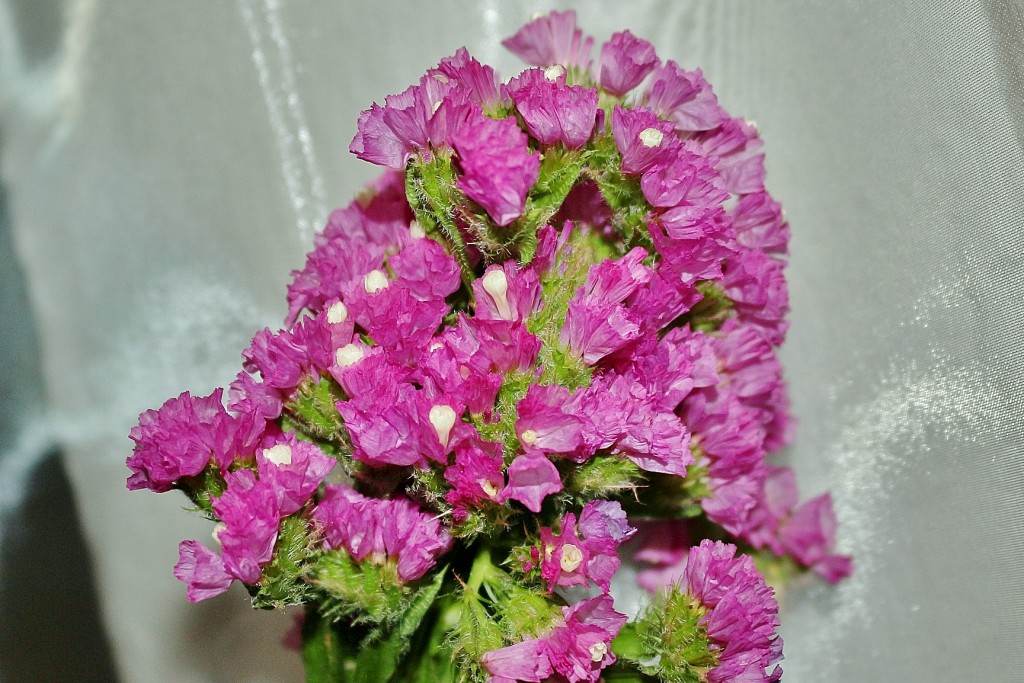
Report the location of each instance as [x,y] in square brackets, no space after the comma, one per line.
[552,321]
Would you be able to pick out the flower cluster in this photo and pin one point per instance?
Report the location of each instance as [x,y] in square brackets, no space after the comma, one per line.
[552,320]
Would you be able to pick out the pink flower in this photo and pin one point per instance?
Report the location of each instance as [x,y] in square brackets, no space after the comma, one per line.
[184,435]
[202,571]
[426,269]
[735,143]
[251,515]
[544,425]
[553,111]
[809,536]
[507,292]
[578,648]
[759,223]
[479,80]
[684,98]
[689,178]
[293,469]
[625,61]
[531,478]
[643,140]
[498,168]
[476,474]
[585,552]
[552,39]
[391,530]
[742,613]
[757,287]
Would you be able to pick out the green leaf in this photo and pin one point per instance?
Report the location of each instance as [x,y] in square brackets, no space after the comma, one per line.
[378,659]
[324,652]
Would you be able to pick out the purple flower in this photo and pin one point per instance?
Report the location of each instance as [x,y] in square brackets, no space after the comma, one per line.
[755,284]
[742,613]
[426,269]
[293,469]
[507,292]
[689,178]
[251,515]
[390,530]
[393,316]
[759,223]
[625,61]
[531,478]
[643,140]
[577,648]
[809,536]
[586,551]
[202,571]
[684,98]
[478,79]
[552,39]
[735,143]
[475,475]
[333,269]
[180,438]
[498,168]
[419,118]
[553,111]
[544,425]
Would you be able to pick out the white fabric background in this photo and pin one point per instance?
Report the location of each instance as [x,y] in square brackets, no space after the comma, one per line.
[167,166]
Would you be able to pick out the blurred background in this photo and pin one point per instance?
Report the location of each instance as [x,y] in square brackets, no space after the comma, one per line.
[163,166]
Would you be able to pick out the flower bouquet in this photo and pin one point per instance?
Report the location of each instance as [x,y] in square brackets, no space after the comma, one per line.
[541,343]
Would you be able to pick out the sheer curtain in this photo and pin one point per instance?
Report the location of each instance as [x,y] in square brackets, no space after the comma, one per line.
[166,165]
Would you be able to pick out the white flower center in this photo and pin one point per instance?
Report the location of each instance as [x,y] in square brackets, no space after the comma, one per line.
[416,230]
[375,281]
[572,558]
[348,355]
[496,284]
[529,437]
[443,419]
[489,487]
[281,454]
[554,72]
[598,651]
[337,313]
[651,137]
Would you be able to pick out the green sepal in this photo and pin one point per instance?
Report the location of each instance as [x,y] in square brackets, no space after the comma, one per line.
[364,592]
[559,170]
[712,310]
[313,410]
[668,641]
[282,582]
[603,476]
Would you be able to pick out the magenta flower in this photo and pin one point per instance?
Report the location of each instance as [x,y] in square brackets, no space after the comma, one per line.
[643,140]
[476,474]
[742,613]
[553,111]
[759,223]
[426,269]
[202,571]
[688,179]
[684,98]
[479,80]
[552,39]
[531,478]
[757,287]
[293,470]
[578,648]
[507,292]
[735,143]
[498,168]
[585,552]
[544,425]
[184,435]
[625,61]
[809,536]
[391,530]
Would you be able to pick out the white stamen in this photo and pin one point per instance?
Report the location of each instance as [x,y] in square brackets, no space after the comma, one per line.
[441,77]
[598,651]
[337,313]
[651,137]
[529,437]
[496,284]
[443,419]
[281,454]
[489,487]
[437,105]
[464,371]
[416,230]
[348,355]
[375,281]
[554,72]
[218,529]
[436,346]
[572,558]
